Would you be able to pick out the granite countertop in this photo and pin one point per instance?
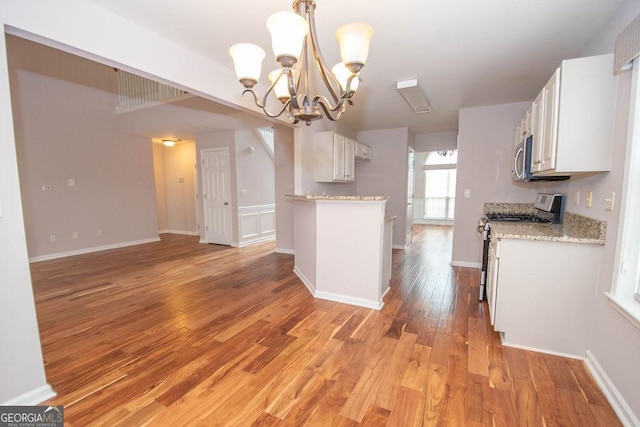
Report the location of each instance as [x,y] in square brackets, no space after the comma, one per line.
[574,229]
[311,197]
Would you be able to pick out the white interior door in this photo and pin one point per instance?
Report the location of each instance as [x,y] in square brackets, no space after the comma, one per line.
[410,184]
[216,196]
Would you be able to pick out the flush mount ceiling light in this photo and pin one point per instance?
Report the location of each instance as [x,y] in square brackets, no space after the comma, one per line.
[169,142]
[413,95]
[294,39]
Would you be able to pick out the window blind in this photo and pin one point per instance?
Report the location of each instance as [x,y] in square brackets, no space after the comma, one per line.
[627,46]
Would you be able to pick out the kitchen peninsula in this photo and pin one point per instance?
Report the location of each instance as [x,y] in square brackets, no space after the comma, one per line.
[343,247]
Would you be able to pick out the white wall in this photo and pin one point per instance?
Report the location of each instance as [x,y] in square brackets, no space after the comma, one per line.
[484,168]
[284,158]
[436,141]
[83,28]
[66,128]
[22,376]
[615,343]
[255,170]
[386,173]
[175,187]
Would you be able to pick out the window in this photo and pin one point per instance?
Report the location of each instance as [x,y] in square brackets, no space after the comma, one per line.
[440,185]
[625,294]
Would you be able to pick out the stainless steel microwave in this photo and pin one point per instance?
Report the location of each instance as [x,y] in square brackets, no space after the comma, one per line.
[522,154]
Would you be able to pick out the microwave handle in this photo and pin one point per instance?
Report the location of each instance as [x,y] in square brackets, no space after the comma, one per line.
[519,153]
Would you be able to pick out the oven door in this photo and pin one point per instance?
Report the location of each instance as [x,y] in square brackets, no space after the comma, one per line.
[519,162]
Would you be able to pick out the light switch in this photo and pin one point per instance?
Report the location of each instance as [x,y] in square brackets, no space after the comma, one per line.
[588,199]
[47,187]
[72,182]
[467,193]
[609,200]
[576,198]
[244,191]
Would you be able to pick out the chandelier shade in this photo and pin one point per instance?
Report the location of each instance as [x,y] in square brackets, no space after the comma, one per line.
[288,31]
[247,61]
[343,74]
[354,44]
[294,42]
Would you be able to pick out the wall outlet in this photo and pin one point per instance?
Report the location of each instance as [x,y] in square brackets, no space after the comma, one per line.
[467,193]
[74,235]
[99,232]
[609,200]
[47,187]
[588,199]
[576,198]
[52,238]
[244,191]
[72,182]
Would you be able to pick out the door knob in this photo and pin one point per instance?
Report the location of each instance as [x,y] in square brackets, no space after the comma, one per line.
[226,203]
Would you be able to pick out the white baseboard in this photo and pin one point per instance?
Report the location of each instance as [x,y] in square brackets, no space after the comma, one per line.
[94,249]
[186,233]
[540,350]
[259,240]
[360,302]
[466,264]
[610,391]
[32,397]
[285,251]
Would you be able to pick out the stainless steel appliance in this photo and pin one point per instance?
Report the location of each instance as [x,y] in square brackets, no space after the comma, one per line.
[522,154]
[548,209]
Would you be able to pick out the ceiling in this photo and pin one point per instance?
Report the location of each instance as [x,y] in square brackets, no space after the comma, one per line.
[464,53]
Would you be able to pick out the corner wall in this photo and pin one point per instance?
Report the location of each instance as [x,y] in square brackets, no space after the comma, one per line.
[66,130]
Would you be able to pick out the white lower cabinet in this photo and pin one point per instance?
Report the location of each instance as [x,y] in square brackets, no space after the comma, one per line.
[544,294]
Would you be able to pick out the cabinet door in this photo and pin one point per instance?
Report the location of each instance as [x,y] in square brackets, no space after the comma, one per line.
[537,130]
[349,159]
[338,157]
[549,140]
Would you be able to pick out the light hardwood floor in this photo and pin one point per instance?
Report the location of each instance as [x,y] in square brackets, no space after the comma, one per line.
[178,333]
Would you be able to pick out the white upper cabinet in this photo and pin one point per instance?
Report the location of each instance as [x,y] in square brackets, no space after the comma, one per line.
[572,119]
[334,158]
[363,152]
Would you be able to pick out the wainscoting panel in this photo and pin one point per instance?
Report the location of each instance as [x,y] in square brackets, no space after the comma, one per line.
[256,223]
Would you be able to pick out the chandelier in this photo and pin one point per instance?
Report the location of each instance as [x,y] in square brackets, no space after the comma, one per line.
[294,40]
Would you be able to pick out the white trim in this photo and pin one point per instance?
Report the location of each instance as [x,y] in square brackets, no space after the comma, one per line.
[285,251]
[360,302]
[254,241]
[626,265]
[256,223]
[466,264]
[448,222]
[630,310]
[32,397]
[617,402]
[306,282]
[540,350]
[91,250]
[183,232]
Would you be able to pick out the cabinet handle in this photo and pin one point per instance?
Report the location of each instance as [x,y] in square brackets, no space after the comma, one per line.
[537,162]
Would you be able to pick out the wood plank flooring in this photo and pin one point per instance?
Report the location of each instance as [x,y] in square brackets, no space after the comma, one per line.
[177,333]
